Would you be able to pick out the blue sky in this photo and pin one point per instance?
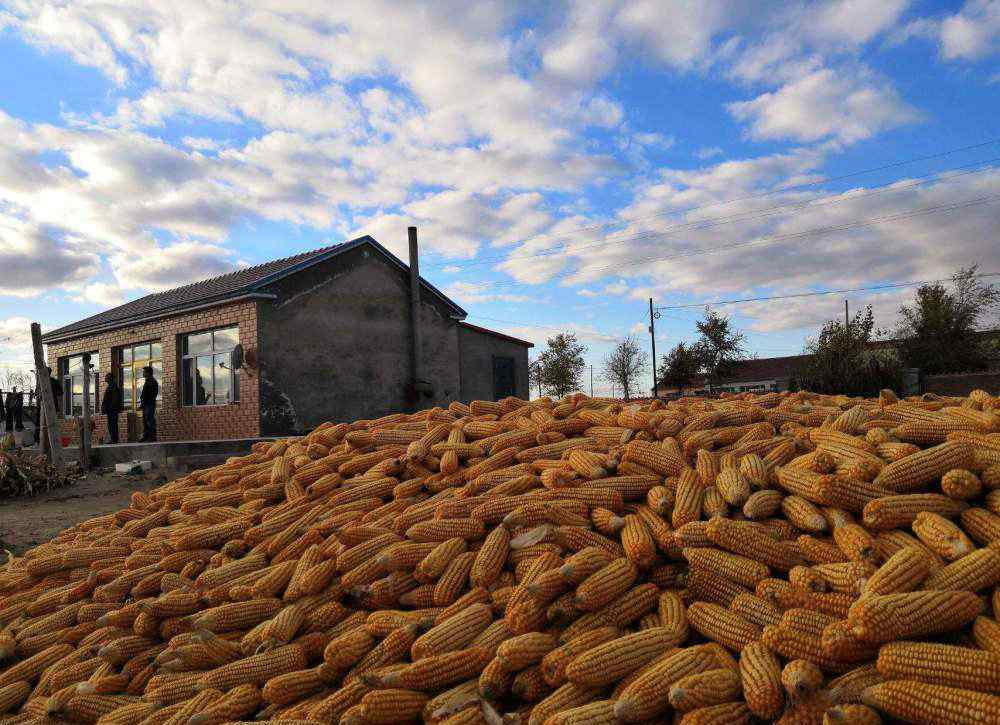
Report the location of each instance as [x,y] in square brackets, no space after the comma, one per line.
[563,164]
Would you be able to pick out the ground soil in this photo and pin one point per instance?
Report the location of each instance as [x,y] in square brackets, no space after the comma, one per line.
[28,521]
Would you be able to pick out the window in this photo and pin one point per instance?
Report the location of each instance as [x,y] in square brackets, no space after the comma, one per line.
[133,359]
[207,375]
[71,373]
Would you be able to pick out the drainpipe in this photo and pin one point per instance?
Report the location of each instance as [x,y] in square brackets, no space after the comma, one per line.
[420,385]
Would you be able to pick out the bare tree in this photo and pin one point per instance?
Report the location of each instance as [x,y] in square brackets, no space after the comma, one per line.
[624,365]
[11,378]
[535,376]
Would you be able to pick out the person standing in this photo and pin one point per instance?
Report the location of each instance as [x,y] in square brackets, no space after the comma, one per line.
[147,401]
[18,410]
[111,405]
[8,412]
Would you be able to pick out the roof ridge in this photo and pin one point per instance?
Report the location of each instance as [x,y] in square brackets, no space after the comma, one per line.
[238,270]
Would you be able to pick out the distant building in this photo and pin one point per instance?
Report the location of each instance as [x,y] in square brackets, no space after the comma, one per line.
[772,374]
[324,335]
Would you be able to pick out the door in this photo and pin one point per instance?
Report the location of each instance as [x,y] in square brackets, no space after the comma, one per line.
[503,377]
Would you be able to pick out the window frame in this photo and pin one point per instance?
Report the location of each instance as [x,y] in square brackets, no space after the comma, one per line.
[66,378]
[189,364]
[132,404]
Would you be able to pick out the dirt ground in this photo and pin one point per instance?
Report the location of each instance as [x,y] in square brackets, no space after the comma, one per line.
[26,522]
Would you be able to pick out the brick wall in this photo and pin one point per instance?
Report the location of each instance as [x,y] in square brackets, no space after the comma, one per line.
[174,421]
[963,383]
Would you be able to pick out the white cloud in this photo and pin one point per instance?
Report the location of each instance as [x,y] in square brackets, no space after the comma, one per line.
[973,33]
[103,294]
[34,260]
[201,143]
[822,105]
[471,293]
[15,340]
[853,21]
[161,268]
[707,152]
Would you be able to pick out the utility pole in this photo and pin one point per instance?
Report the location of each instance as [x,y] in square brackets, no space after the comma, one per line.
[591,381]
[846,317]
[652,339]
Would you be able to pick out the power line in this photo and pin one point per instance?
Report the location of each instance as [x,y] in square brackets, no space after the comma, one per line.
[819,231]
[894,285]
[762,195]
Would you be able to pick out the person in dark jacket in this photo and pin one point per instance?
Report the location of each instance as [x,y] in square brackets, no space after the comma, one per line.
[111,405]
[18,410]
[8,412]
[147,401]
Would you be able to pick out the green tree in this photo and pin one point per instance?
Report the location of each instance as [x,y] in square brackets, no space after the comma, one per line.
[843,362]
[561,364]
[624,365]
[680,366]
[939,328]
[720,347]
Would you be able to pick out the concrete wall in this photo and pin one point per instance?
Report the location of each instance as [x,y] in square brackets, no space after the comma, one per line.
[477,351]
[960,384]
[335,345]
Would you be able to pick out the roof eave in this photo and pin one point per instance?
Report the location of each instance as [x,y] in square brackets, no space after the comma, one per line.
[55,336]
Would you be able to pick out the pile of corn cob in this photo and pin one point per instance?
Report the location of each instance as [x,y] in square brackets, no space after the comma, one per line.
[784,557]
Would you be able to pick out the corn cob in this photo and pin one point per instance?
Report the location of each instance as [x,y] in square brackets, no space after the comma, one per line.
[940,664]
[883,618]
[924,704]
[612,660]
[722,625]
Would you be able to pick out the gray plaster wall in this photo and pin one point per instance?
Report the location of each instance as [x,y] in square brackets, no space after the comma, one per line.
[477,351]
[335,345]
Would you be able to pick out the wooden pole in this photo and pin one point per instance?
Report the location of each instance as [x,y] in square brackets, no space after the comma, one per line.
[85,441]
[652,342]
[46,401]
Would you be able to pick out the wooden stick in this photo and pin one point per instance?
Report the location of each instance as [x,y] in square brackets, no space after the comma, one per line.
[46,401]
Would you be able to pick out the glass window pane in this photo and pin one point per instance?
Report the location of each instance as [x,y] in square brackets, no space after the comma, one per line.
[77,385]
[140,352]
[203,381]
[127,387]
[139,382]
[156,351]
[198,344]
[74,364]
[126,356]
[223,379]
[226,339]
[95,360]
[187,380]
[77,403]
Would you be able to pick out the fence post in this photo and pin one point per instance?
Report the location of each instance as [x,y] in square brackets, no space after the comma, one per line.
[46,401]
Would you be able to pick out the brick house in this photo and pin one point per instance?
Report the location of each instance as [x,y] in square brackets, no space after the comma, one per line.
[323,335]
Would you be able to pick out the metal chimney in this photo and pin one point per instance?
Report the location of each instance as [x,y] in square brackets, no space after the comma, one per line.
[417,336]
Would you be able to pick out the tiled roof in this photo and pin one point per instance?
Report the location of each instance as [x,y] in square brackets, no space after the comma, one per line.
[218,289]
[206,290]
[494,333]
